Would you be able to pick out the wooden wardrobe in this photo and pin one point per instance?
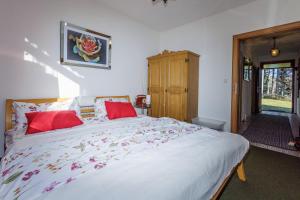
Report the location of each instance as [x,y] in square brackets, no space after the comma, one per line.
[173,79]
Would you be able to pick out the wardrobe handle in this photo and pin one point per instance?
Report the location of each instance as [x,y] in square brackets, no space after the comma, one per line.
[186,90]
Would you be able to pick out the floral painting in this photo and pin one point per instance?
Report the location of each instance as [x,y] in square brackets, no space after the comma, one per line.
[83,47]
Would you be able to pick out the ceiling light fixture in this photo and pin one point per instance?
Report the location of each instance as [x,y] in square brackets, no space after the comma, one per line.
[157,1]
[274,51]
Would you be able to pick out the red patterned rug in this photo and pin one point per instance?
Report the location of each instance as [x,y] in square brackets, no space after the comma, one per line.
[270,130]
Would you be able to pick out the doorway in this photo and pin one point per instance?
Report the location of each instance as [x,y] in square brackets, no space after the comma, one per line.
[236,67]
[277,86]
[265,92]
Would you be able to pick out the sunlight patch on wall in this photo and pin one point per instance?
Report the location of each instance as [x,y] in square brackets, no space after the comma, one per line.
[30,43]
[67,87]
[48,70]
[72,71]
[45,53]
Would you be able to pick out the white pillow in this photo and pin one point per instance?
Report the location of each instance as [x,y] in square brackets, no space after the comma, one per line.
[12,135]
[119,99]
[100,110]
[91,120]
[21,108]
[71,104]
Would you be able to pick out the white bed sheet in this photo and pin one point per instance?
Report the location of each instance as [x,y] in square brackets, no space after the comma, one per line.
[191,166]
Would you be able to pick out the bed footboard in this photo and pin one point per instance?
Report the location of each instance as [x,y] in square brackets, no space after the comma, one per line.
[241,172]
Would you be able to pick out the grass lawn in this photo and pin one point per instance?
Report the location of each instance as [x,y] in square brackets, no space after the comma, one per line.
[276,105]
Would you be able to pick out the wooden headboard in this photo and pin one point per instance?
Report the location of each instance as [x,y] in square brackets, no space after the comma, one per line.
[114,97]
[9,111]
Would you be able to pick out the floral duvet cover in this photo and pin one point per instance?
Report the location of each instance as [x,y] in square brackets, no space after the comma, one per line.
[38,165]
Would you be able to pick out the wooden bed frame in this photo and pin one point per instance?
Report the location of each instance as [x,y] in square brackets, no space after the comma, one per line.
[9,112]
[9,125]
[241,175]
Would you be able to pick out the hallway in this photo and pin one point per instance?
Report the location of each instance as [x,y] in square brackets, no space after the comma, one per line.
[271,131]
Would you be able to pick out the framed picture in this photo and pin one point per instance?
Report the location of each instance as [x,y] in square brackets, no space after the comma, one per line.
[246,72]
[84,47]
[250,72]
[247,69]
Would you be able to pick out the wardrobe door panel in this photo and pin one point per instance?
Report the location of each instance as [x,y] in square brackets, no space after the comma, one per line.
[177,87]
[193,83]
[163,72]
[156,86]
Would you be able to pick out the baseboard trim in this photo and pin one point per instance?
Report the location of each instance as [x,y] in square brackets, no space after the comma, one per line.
[284,151]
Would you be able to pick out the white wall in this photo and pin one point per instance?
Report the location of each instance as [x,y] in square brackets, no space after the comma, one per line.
[31,27]
[212,39]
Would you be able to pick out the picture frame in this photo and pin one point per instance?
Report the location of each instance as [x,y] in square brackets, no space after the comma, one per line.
[246,72]
[247,69]
[84,47]
[250,72]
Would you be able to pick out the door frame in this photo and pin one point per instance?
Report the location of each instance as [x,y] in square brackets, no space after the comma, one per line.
[255,96]
[292,61]
[236,68]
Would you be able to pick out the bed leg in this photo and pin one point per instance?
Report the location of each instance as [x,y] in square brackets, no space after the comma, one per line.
[241,172]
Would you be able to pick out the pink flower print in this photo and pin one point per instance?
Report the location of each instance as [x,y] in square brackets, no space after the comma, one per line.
[51,187]
[92,159]
[125,144]
[165,141]
[24,125]
[75,166]
[100,165]
[70,179]
[27,176]
[32,108]
[26,155]
[5,172]
[90,143]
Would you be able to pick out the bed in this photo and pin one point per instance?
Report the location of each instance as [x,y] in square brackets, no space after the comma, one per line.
[129,158]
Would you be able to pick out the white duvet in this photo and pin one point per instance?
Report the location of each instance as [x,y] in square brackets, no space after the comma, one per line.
[134,158]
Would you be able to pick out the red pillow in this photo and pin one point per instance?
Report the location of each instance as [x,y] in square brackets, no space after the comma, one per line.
[117,110]
[51,120]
